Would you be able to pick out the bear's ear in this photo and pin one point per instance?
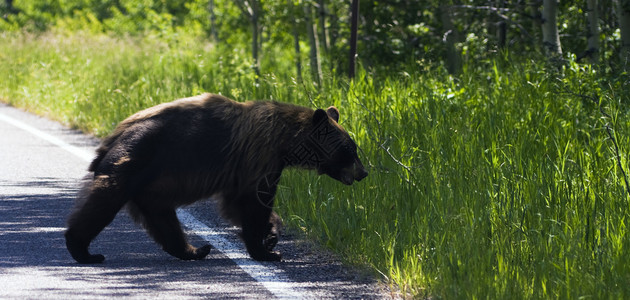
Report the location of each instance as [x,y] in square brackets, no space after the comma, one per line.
[333,112]
[320,115]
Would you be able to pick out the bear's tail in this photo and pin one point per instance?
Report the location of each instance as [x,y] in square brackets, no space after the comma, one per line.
[100,154]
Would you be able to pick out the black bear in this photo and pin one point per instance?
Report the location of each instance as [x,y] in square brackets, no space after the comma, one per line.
[176,153]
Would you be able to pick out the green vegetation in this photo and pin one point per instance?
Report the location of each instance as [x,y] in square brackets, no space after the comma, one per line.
[505,180]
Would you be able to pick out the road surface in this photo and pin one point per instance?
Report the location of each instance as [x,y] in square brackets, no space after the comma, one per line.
[41,166]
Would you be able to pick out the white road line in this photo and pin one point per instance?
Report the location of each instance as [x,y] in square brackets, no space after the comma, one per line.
[47,137]
[273,279]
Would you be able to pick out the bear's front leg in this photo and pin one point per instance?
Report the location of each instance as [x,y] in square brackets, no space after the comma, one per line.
[274,228]
[258,240]
[260,232]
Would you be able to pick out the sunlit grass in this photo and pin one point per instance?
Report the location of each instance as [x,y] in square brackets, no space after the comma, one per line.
[497,184]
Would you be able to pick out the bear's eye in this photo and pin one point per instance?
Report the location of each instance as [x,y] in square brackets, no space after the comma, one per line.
[349,151]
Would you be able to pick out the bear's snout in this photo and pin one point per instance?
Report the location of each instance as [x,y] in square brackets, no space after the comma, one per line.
[359,171]
[356,172]
[360,174]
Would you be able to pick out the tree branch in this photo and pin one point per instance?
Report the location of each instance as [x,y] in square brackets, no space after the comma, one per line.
[498,11]
[490,8]
[595,99]
[381,144]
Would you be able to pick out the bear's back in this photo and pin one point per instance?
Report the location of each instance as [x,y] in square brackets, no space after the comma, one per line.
[185,112]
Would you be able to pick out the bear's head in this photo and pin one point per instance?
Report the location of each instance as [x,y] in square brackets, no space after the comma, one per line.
[336,152]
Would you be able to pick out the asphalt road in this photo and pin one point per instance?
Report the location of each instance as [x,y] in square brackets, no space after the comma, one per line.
[41,165]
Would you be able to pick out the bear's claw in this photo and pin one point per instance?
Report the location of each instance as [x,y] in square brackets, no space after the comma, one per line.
[90,259]
[270,241]
[202,252]
[267,256]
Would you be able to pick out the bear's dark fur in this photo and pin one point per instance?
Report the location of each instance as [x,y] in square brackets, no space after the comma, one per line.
[176,153]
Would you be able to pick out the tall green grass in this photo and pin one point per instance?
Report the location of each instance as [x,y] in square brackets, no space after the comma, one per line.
[500,183]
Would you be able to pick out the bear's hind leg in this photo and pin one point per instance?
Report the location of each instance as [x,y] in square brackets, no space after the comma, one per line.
[98,209]
[164,227]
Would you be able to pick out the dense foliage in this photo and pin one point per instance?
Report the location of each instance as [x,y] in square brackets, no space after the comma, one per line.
[392,33]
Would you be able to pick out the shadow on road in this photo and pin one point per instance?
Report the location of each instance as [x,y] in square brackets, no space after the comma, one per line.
[32,245]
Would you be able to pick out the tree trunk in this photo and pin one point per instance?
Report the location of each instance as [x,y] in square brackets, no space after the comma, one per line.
[534,23]
[354,27]
[501,27]
[252,11]
[322,25]
[9,9]
[593,31]
[551,38]
[213,21]
[296,40]
[453,59]
[333,30]
[316,68]
[623,12]
[255,42]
